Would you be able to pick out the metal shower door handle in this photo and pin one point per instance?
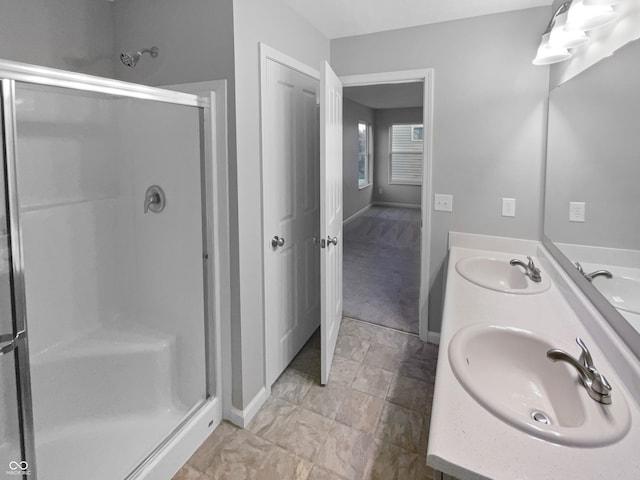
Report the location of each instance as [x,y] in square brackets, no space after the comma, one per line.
[8,342]
[277,241]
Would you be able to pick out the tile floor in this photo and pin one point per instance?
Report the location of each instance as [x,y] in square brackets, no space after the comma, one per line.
[370,422]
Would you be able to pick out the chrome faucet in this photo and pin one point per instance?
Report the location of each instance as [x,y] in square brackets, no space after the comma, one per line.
[596,384]
[530,269]
[592,275]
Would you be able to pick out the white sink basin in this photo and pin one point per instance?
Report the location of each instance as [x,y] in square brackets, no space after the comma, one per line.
[622,292]
[497,274]
[506,370]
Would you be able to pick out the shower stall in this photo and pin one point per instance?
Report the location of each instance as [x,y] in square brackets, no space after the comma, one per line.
[107,325]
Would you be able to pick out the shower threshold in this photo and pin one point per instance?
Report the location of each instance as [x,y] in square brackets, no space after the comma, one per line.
[104,449]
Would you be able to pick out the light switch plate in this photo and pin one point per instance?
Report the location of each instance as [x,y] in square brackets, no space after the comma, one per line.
[508,207]
[577,211]
[443,203]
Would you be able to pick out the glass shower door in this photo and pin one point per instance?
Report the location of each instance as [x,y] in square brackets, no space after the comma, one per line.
[12,460]
[111,212]
[16,438]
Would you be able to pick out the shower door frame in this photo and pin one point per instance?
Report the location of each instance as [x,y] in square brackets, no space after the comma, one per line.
[12,72]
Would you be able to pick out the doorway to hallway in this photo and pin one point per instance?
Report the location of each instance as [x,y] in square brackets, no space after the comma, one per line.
[386,145]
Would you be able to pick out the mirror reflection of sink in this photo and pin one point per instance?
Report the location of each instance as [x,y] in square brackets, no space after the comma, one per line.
[623,292]
[497,274]
[506,370]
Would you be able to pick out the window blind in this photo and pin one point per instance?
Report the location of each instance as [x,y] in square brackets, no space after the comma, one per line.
[406,154]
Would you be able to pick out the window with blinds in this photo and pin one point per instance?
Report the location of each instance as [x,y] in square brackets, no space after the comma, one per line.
[406,154]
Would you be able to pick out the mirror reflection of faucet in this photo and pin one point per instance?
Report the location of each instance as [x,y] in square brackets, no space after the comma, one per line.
[155,199]
[530,269]
[592,275]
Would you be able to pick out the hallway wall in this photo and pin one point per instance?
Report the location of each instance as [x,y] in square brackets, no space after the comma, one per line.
[354,198]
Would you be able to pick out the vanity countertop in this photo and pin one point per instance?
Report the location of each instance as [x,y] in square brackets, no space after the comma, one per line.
[466,440]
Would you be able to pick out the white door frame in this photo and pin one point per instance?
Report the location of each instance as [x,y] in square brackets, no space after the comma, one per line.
[407,76]
[267,53]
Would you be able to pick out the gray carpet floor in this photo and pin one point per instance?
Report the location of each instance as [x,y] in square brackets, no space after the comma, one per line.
[382,267]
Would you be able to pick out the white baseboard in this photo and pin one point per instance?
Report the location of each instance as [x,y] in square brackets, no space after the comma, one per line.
[241,418]
[180,448]
[357,214]
[392,204]
[433,337]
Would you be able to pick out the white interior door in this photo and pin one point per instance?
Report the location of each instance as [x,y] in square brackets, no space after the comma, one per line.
[291,213]
[330,215]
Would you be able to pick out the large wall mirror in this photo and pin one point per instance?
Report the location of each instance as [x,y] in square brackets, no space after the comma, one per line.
[592,199]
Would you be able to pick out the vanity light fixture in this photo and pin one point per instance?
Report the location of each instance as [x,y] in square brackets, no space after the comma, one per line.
[568,25]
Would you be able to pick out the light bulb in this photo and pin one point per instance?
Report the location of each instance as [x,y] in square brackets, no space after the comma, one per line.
[562,37]
[548,53]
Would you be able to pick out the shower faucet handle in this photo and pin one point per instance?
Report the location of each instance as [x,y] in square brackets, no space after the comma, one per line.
[154,199]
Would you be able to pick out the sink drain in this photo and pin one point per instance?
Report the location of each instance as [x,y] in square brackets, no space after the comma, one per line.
[541,417]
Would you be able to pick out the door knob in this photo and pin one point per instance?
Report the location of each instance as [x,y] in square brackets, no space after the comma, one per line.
[277,241]
[333,240]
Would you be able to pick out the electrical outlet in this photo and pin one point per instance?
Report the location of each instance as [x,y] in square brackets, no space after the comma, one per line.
[577,211]
[443,203]
[508,207]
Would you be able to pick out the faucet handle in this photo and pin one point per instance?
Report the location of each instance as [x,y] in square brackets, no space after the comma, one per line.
[599,382]
[585,358]
[531,265]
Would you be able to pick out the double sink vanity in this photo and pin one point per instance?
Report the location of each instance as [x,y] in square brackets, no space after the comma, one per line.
[538,372]
[516,395]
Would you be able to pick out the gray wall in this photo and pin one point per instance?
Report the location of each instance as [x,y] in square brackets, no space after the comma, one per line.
[489,119]
[405,194]
[74,35]
[275,24]
[354,199]
[194,38]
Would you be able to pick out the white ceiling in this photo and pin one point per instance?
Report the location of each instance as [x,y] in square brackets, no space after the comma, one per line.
[344,18]
[398,95]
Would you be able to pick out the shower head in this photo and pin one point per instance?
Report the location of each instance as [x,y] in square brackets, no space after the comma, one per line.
[130,59]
